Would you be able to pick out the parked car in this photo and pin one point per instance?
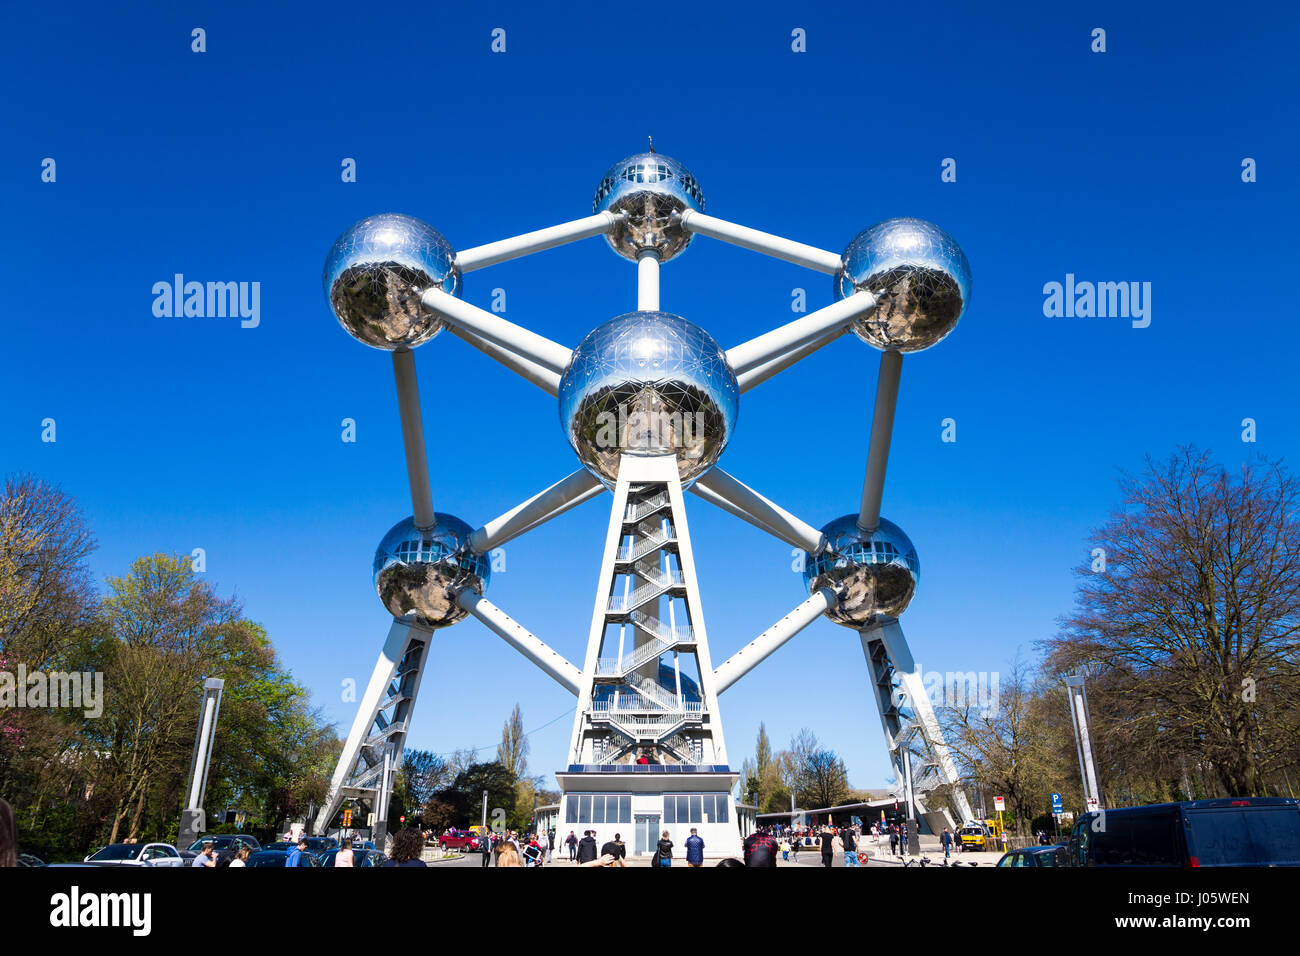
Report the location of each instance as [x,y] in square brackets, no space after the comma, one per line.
[278,858]
[1250,831]
[461,840]
[1037,856]
[318,845]
[226,845]
[138,854]
[360,858]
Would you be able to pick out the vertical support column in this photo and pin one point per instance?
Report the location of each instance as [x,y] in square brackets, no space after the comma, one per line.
[647,281]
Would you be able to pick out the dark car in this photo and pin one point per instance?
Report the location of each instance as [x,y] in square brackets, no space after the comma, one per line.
[226,845]
[360,858]
[279,858]
[1037,856]
[1249,831]
[318,845]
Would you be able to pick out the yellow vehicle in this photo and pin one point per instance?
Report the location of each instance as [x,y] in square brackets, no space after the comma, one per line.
[478,830]
[974,836]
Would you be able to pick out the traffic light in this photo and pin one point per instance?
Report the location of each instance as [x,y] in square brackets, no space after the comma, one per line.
[347,817]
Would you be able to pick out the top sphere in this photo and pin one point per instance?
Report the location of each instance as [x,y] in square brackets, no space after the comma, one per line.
[874,573]
[376,274]
[648,383]
[920,277]
[649,189]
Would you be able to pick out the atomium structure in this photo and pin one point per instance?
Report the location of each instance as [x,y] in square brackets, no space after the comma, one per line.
[648,401]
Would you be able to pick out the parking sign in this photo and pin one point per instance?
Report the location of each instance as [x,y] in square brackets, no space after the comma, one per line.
[1057,806]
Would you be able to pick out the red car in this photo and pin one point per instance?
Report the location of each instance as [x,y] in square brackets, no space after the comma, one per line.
[459,840]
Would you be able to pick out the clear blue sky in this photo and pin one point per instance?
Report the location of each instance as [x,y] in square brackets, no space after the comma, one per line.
[179,433]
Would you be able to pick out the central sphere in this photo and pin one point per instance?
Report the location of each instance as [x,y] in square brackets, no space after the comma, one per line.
[648,383]
[650,189]
[376,275]
[416,569]
[919,276]
[874,573]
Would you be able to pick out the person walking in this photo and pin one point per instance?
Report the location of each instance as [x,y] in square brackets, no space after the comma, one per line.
[694,849]
[544,847]
[571,842]
[294,856]
[587,847]
[663,852]
[902,842]
[240,858]
[344,856]
[615,848]
[946,840]
[893,842]
[850,843]
[828,846]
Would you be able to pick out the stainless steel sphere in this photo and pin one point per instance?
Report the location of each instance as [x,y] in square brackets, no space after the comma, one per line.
[648,383]
[650,188]
[919,274]
[376,273]
[875,574]
[415,570]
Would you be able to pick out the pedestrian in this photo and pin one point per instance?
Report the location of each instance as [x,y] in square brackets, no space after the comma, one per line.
[759,849]
[294,856]
[408,847]
[893,842]
[207,856]
[850,844]
[571,842]
[615,848]
[240,858]
[8,836]
[828,846]
[946,840]
[486,841]
[902,842]
[344,856]
[587,847]
[794,845]
[663,852]
[544,846]
[694,849]
[507,855]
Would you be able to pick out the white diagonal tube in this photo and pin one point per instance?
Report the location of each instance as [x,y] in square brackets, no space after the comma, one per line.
[882,429]
[480,257]
[759,375]
[541,507]
[417,462]
[543,378]
[734,496]
[795,335]
[521,639]
[778,247]
[760,648]
[514,338]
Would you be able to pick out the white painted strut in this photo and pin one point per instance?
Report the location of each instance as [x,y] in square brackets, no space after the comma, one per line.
[882,428]
[779,248]
[417,462]
[543,378]
[540,508]
[795,335]
[480,257]
[759,375]
[734,496]
[760,648]
[514,338]
[647,281]
[522,640]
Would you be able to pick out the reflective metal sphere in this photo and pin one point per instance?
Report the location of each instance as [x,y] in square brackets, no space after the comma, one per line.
[376,273]
[874,574]
[649,188]
[414,570]
[648,383]
[919,274]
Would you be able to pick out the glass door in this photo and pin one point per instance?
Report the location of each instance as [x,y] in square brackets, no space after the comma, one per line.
[647,834]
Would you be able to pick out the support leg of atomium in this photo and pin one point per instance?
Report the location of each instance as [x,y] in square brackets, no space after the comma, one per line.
[907,716]
[378,735]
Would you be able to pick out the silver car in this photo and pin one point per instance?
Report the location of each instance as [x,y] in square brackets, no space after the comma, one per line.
[137,854]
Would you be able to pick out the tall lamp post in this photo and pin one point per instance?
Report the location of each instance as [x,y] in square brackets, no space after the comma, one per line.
[193,819]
